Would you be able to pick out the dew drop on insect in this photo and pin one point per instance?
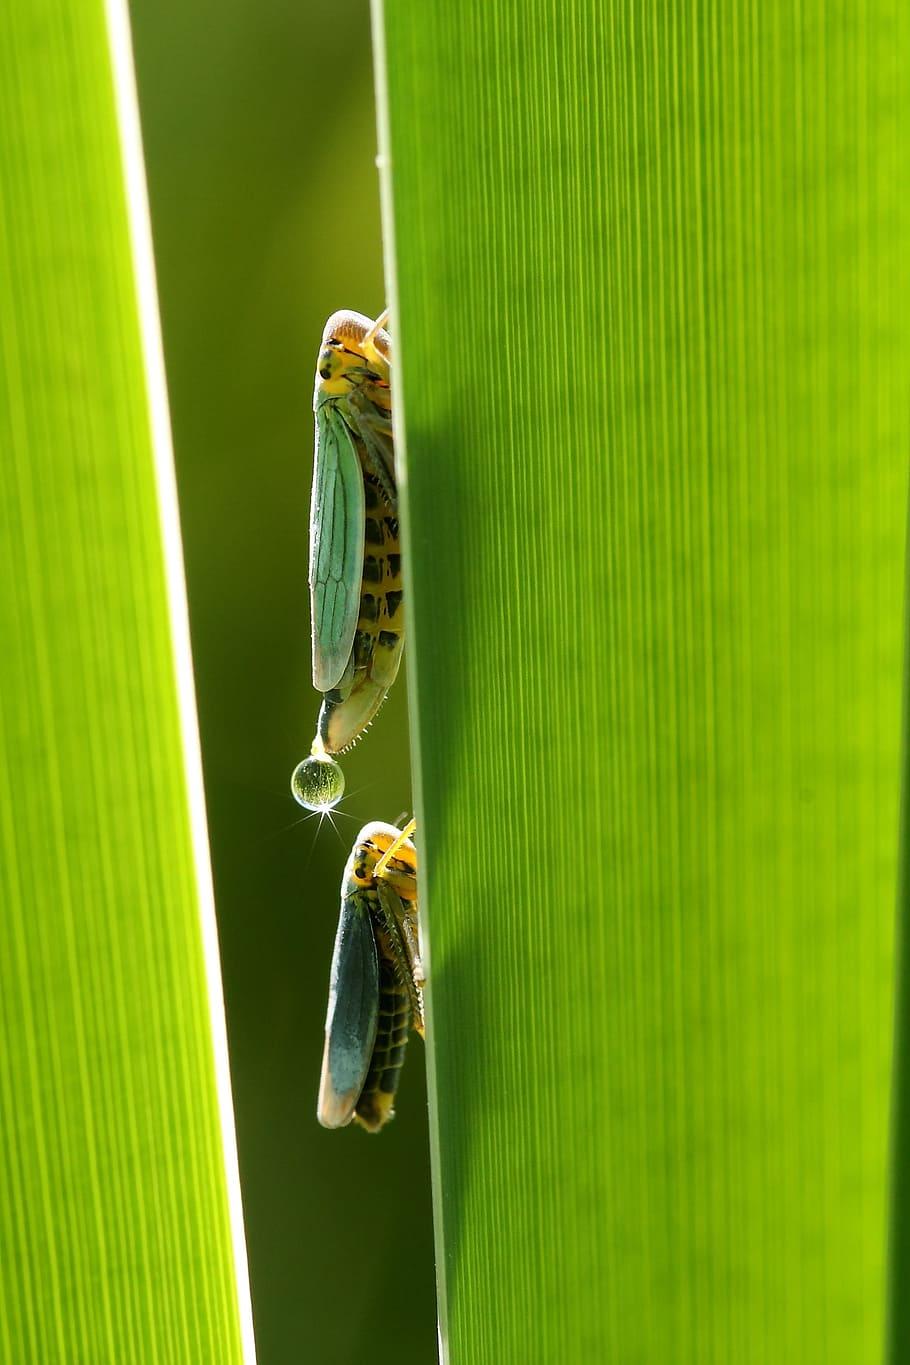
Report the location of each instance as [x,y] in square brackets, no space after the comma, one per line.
[317,783]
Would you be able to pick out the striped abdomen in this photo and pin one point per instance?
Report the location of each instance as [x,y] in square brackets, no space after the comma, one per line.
[376,1104]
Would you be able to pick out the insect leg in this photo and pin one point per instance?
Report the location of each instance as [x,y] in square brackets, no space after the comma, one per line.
[394,846]
[402,947]
[399,911]
[368,343]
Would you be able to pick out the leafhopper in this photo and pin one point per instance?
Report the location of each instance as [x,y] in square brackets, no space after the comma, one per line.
[376,983]
[355,554]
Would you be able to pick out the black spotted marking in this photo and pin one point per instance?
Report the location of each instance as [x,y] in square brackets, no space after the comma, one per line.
[388,639]
[393,599]
[372,531]
[394,563]
[372,570]
[370,495]
[363,648]
[389,1047]
[369,607]
[325,372]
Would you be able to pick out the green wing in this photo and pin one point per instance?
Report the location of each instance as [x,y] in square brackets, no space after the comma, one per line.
[351,1022]
[336,547]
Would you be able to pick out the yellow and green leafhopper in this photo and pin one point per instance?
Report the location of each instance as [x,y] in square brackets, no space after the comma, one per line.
[376,983]
[355,555]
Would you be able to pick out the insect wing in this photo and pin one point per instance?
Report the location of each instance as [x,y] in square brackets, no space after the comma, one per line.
[336,546]
[350,1026]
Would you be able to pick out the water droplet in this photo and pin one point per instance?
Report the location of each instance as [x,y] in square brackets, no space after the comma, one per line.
[317,783]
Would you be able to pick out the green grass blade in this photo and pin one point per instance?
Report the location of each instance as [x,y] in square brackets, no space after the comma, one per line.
[114,1204]
[652,335]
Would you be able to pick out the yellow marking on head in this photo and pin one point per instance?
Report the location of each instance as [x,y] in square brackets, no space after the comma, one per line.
[353,351]
[361,872]
[382,851]
[392,847]
[359,333]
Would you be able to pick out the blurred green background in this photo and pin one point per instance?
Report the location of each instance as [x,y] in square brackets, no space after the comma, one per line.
[260,141]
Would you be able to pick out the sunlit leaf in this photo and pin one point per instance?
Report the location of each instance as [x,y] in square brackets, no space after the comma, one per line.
[652,321]
[114,1217]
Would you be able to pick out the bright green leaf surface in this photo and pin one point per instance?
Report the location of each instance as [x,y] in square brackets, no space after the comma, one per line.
[113,1209]
[653,345]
